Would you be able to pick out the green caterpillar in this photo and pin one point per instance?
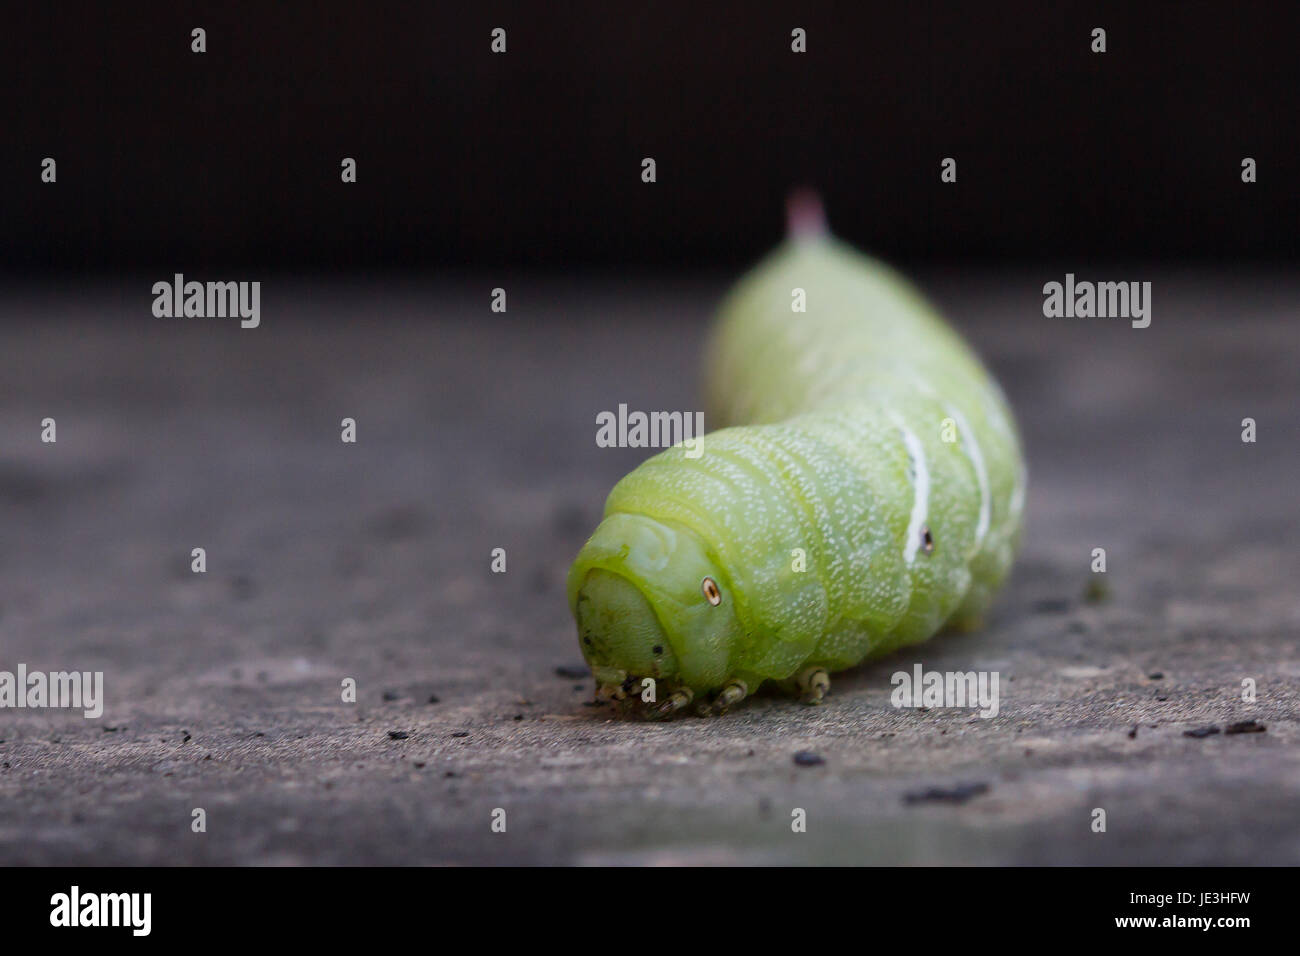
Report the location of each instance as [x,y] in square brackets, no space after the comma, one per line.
[870,495]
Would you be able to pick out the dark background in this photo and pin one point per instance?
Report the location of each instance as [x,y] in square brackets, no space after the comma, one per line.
[169,160]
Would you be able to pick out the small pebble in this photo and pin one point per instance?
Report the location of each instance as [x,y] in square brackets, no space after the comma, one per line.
[1199,732]
[1096,591]
[806,758]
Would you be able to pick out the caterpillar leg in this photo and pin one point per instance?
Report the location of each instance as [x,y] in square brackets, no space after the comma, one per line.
[674,703]
[733,692]
[813,684]
[613,689]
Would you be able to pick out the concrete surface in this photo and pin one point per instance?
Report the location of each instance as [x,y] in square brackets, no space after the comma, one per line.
[371,561]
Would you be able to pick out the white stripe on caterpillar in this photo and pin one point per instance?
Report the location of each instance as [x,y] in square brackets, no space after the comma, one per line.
[972,449]
[920,492]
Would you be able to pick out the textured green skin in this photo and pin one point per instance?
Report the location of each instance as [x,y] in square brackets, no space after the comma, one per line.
[820,462]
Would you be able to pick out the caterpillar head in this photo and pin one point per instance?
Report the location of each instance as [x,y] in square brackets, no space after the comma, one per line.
[651,601]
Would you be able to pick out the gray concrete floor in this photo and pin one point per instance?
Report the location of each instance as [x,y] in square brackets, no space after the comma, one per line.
[476,431]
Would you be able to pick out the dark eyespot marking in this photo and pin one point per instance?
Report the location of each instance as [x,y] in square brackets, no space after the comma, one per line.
[658,648]
[927,540]
[711,592]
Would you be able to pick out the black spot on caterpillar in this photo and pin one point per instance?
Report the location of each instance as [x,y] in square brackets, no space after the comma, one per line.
[866,437]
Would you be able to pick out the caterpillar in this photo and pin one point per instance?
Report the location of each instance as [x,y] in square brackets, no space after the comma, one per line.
[864,492]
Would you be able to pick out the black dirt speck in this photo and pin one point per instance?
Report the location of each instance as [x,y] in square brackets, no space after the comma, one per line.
[398,734]
[806,758]
[242,587]
[956,794]
[1051,606]
[401,523]
[1245,727]
[1199,732]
